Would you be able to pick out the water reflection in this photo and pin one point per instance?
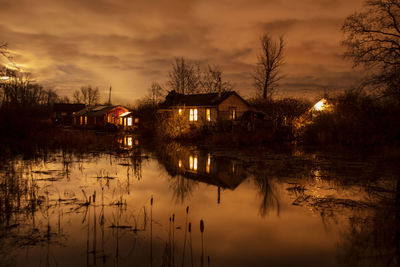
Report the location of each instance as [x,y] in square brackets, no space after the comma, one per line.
[114,208]
[188,166]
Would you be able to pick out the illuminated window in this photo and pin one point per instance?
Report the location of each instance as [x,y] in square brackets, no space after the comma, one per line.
[180,111]
[233,167]
[193,114]
[81,120]
[124,121]
[108,119]
[129,121]
[136,141]
[85,120]
[180,163]
[193,163]
[232,113]
[129,141]
[208,114]
[121,121]
[136,120]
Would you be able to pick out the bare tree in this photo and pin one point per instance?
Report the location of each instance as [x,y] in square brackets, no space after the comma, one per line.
[77,97]
[266,74]
[87,95]
[184,77]
[373,41]
[4,49]
[50,97]
[211,80]
[156,92]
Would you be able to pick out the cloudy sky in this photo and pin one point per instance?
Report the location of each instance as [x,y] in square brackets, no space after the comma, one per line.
[128,44]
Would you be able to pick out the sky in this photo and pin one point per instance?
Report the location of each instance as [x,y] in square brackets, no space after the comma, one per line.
[128,44]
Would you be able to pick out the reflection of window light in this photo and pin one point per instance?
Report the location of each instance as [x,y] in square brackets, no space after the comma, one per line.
[208,163]
[136,141]
[208,114]
[180,111]
[129,141]
[180,163]
[136,120]
[233,167]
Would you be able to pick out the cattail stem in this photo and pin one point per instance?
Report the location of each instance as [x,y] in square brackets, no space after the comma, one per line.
[173,239]
[151,231]
[184,240]
[190,242]
[202,242]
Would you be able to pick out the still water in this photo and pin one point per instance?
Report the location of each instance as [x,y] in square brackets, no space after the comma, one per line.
[135,206]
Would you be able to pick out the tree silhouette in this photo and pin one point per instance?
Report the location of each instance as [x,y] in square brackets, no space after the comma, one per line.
[373,41]
[266,74]
[184,77]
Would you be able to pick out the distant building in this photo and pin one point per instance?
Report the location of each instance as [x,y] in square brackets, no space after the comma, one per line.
[106,116]
[63,113]
[205,109]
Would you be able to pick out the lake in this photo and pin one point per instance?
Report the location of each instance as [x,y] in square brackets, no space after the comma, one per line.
[170,204]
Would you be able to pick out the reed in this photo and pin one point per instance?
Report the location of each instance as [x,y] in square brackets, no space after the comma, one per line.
[190,242]
[184,239]
[151,231]
[202,242]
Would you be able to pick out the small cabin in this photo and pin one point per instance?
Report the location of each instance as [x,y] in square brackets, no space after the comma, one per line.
[105,116]
[206,109]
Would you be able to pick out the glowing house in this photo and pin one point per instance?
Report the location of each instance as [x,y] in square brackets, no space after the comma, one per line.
[106,116]
[206,109]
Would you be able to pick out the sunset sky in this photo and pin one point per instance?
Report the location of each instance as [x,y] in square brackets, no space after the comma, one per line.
[129,44]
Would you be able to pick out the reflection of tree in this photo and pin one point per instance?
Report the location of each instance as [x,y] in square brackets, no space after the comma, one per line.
[374,240]
[270,201]
[20,200]
[182,188]
[263,179]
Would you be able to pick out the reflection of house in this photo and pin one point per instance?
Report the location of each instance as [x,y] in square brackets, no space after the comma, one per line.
[203,109]
[203,167]
[63,112]
[104,116]
[128,142]
[221,172]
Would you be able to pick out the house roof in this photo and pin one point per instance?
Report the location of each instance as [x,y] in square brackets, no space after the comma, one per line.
[96,111]
[210,99]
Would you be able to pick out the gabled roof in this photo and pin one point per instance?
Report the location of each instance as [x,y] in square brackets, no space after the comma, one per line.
[210,99]
[96,111]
